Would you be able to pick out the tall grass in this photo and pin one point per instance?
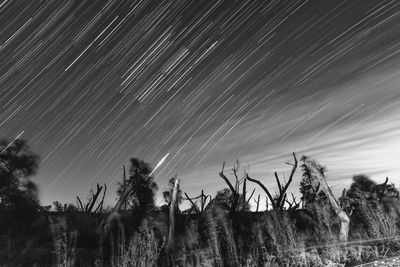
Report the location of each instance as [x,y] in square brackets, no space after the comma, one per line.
[64,242]
[217,238]
[142,251]
[380,224]
[274,242]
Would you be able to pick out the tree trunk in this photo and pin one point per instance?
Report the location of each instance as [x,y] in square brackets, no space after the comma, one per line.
[315,171]
[344,226]
[172,207]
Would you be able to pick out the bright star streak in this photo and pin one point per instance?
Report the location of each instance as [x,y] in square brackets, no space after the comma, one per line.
[159,164]
[18,136]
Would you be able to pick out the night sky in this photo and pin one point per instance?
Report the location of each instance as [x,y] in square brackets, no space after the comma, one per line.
[90,84]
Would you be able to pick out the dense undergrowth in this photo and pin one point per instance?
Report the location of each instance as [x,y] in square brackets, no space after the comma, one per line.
[361,226]
[212,238]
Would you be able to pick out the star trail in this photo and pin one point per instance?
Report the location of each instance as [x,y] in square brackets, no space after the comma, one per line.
[193,83]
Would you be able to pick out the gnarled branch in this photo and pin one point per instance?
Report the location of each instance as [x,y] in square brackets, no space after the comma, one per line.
[275,207]
[279,201]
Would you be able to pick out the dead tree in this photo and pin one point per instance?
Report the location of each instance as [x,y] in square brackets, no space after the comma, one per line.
[203,201]
[105,225]
[236,189]
[194,204]
[233,189]
[293,205]
[279,201]
[92,200]
[172,214]
[317,173]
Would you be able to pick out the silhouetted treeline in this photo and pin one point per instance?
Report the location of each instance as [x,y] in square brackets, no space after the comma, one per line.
[317,229]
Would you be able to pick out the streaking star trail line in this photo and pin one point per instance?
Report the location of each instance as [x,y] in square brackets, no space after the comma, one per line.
[95,83]
[18,136]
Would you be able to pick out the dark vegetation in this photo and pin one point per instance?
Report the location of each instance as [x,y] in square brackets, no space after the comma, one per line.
[315,230]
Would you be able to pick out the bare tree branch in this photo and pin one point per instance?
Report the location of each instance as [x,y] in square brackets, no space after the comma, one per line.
[222,175]
[278,182]
[194,206]
[234,191]
[293,205]
[80,204]
[100,206]
[265,190]
[282,189]
[93,198]
[251,195]
[279,201]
